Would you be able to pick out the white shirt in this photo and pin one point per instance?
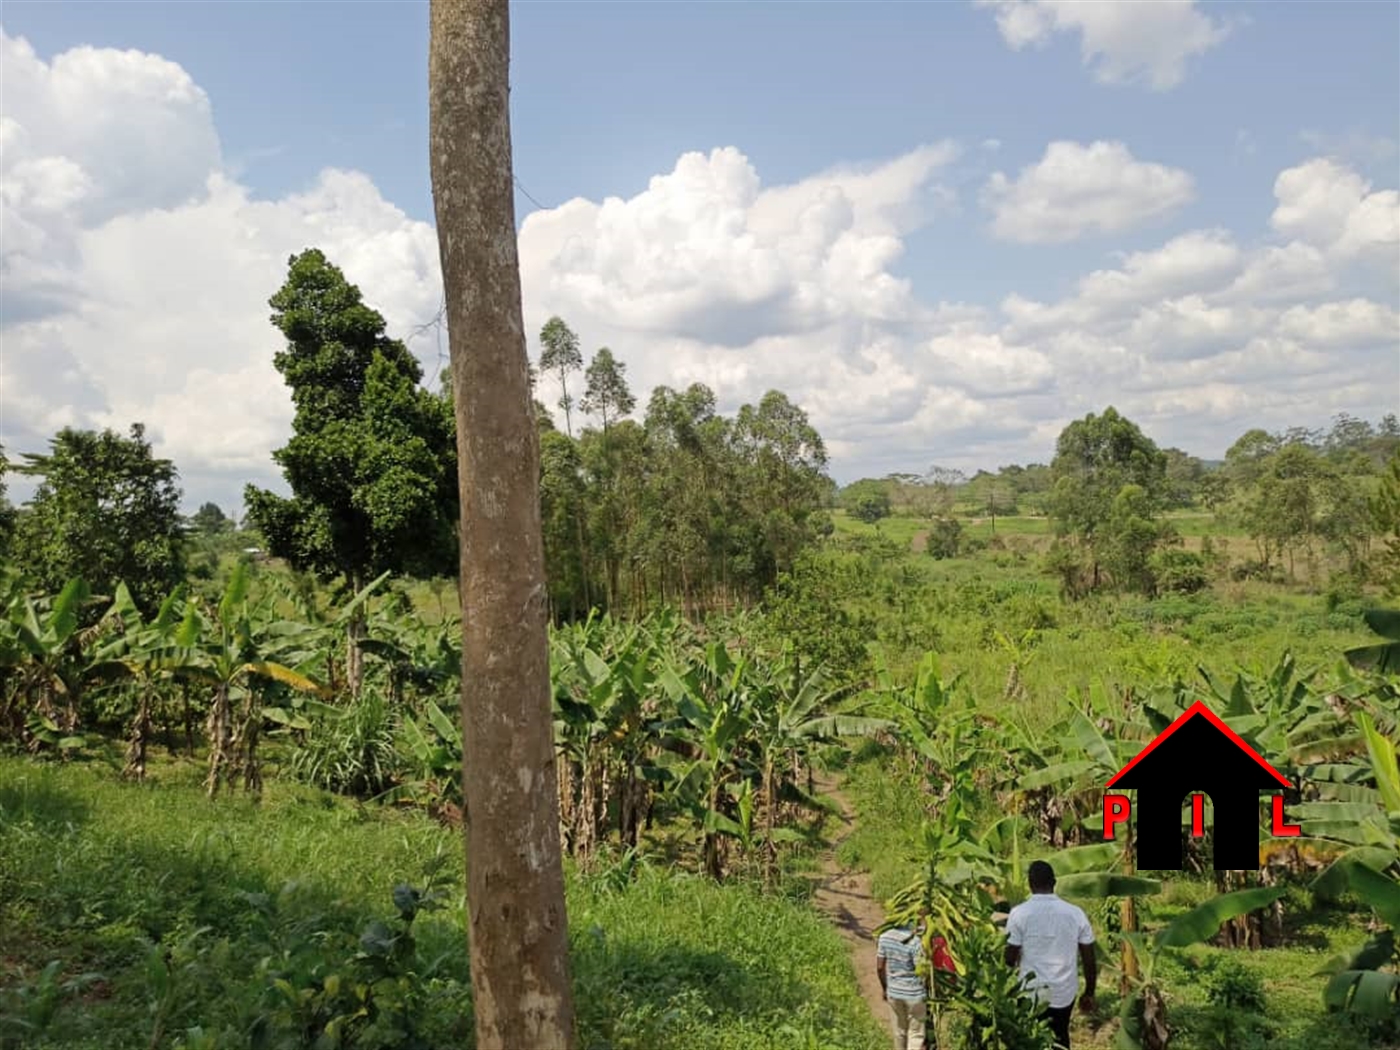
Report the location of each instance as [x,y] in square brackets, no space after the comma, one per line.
[1049,932]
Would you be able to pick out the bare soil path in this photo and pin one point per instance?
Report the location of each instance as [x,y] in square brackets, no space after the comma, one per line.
[844,897]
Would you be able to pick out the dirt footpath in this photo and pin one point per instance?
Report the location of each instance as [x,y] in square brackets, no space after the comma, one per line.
[845,898]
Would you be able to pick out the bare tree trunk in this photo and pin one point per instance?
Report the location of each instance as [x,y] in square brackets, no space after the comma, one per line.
[515,885]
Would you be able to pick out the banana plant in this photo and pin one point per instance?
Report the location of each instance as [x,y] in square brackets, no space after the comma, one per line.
[602,676]
[1144,1014]
[713,719]
[229,654]
[1379,657]
[793,711]
[1368,982]
[40,646]
[1365,828]
[147,652]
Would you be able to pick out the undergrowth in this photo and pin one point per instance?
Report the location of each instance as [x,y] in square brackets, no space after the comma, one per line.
[146,916]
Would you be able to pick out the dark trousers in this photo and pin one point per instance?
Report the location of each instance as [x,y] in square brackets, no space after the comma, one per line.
[1059,1023]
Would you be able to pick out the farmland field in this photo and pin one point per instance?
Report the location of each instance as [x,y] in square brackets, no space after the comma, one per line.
[235,781]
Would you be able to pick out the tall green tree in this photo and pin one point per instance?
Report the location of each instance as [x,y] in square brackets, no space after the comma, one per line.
[7,512]
[1095,457]
[210,520]
[560,354]
[1385,519]
[371,462]
[1283,511]
[784,479]
[107,510]
[607,393]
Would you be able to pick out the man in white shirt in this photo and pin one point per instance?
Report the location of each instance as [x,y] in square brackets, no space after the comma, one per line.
[1043,936]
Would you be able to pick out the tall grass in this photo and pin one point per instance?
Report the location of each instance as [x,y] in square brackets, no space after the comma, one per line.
[111,879]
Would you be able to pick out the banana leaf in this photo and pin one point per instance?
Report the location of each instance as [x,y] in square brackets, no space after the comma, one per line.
[1106,884]
[1204,921]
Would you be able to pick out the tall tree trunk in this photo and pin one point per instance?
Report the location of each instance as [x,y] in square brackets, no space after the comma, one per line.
[519,928]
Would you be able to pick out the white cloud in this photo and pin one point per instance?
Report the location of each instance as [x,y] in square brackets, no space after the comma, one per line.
[135,279]
[1074,190]
[1147,43]
[1328,205]
[1352,323]
[154,308]
[706,253]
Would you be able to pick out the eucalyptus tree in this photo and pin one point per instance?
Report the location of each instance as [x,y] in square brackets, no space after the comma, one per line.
[559,353]
[607,393]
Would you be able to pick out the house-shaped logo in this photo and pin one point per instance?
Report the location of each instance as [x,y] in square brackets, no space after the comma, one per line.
[1197,755]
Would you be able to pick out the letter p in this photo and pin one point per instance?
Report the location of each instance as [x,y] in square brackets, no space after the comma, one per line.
[1116,810]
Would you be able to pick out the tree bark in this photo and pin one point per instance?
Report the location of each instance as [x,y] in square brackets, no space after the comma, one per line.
[515,885]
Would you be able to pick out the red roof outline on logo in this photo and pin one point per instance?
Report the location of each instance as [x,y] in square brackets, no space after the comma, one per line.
[1199,708]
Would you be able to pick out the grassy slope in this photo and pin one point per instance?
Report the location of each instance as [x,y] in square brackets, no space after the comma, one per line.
[958,606]
[94,871]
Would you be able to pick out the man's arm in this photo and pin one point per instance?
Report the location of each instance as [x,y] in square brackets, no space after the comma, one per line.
[880,973]
[1090,962]
[1013,940]
[1091,977]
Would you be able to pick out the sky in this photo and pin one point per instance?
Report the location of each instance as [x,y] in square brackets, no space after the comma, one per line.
[945,229]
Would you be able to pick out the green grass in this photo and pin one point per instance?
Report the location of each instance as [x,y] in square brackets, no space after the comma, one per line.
[105,876]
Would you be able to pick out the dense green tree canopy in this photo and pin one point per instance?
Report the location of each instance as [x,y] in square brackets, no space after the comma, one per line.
[210,520]
[107,510]
[1110,482]
[1094,458]
[372,460]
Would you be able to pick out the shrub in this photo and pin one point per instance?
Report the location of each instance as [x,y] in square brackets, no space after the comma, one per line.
[1345,593]
[1178,571]
[351,751]
[945,538]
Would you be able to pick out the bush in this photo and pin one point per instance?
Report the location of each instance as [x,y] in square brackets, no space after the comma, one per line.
[945,538]
[1235,1017]
[1345,593]
[1178,571]
[351,751]
[1252,569]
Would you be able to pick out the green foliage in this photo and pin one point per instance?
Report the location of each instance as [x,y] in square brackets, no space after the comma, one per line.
[243,925]
[607,393]
[945,538]
[1095,457]
[372,458]
[107,510]
[210,520]
[1177,571]
[870,507]
[560,354]
[7,512]
[350,750]
[1384,507]
[808,608]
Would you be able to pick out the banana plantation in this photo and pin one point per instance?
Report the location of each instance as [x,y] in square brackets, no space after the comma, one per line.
[700,745]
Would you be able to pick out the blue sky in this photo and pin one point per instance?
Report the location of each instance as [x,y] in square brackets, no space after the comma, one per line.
[607,96]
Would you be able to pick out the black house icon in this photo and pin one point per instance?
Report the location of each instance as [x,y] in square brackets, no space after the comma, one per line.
[1198,752]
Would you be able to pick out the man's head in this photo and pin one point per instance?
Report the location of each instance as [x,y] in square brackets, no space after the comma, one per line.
[1041,877]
